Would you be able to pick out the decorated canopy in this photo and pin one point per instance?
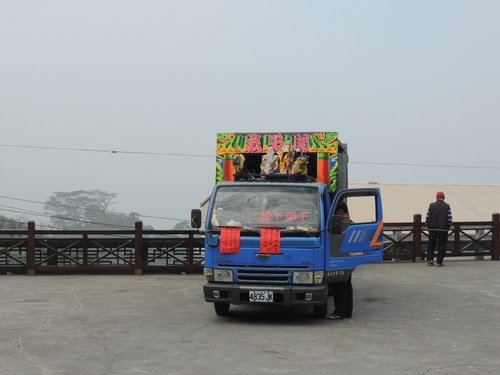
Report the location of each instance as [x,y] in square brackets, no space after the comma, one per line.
[314,155]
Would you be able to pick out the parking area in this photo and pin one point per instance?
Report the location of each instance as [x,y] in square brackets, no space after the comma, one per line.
[408,319]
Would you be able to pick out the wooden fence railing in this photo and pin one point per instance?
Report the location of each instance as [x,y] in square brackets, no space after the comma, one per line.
[137,251]
[408,241]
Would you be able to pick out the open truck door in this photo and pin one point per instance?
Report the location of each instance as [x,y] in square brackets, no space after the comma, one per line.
[361,241]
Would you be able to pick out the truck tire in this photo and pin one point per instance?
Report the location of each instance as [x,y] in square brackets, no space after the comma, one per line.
[320,311]
[221,308]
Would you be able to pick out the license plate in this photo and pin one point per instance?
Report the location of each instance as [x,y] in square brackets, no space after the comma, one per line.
[260,296]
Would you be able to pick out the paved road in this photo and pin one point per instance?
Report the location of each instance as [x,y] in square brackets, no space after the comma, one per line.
[408,319]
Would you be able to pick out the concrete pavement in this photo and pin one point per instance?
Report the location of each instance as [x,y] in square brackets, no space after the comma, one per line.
[408,319]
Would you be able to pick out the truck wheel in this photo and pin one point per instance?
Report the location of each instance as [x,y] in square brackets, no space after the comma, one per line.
[221,308]
[320,311]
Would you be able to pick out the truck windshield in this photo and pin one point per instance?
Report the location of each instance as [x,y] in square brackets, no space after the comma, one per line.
[293,208]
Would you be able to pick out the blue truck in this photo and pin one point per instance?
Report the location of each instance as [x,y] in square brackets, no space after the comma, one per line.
[273,236]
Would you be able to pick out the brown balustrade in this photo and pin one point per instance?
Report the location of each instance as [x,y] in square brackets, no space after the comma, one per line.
[139,251]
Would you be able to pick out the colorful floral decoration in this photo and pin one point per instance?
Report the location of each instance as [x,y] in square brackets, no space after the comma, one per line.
[324,144]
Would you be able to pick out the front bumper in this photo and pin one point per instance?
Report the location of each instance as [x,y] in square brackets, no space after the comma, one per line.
[286,295]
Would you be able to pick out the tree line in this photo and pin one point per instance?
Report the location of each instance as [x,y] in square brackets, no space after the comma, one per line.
[83,209]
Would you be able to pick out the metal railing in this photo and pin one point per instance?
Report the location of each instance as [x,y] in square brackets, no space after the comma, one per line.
[137,251]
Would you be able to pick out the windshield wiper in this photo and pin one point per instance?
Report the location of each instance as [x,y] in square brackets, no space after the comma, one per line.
[249,230]
[297,231]
[244,229]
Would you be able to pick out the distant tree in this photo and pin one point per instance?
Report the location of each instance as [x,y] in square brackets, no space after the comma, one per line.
[87,209]
[182,225]
[12,223]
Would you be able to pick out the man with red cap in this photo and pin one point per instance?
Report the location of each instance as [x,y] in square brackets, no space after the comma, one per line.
[438,222]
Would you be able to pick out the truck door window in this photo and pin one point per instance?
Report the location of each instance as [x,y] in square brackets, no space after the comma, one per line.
[362,209]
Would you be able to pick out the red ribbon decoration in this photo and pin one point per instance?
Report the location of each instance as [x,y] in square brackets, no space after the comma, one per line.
[270,240]
[229,240]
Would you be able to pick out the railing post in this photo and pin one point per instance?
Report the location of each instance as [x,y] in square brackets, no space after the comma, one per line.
[495,237]
[456,239]
[417,236]
[477,247]
[85,249]
[30,249]
[138,247]
[190,249]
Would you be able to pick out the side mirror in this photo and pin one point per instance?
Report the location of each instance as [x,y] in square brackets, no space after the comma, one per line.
[336,224]
[196,218]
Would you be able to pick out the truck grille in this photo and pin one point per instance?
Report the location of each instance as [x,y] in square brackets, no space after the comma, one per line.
[262,276]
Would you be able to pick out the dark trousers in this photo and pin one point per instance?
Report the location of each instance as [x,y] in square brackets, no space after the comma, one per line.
[439,239]
[343,298]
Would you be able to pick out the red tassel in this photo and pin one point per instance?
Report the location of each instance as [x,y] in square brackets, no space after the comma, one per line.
[229,240]
[270,240]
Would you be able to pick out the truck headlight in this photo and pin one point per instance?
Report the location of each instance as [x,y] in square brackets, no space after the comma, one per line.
[223,276]
[302,277]
[209,274]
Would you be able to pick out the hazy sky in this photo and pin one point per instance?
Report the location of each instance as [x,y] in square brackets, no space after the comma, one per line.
[401,81]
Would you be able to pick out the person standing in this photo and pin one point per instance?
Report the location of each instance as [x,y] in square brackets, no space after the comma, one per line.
[438,222]
[342,291]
